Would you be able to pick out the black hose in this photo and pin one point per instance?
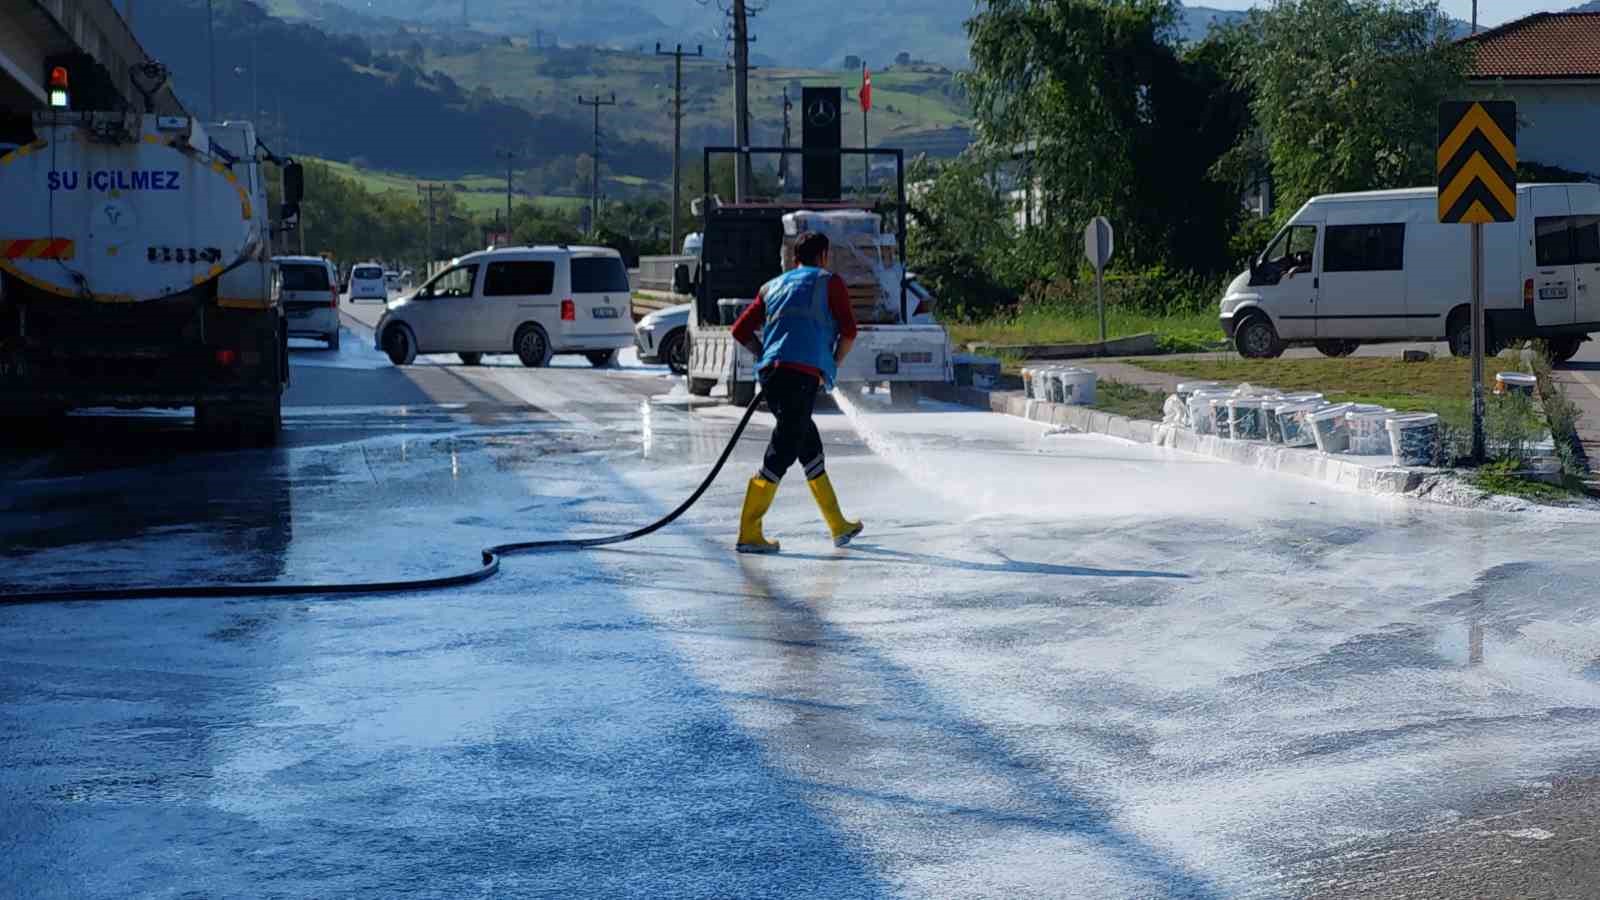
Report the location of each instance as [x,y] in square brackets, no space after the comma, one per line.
[489,566]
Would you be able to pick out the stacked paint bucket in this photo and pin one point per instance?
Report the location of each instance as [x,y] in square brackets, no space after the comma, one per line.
[1305,419]
[1059,384]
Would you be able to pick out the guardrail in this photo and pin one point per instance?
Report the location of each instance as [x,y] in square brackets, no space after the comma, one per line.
[655,272]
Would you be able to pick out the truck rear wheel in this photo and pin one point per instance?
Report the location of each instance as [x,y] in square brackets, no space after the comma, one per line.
[245,423]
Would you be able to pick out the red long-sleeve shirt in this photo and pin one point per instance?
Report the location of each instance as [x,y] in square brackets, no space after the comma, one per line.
[754,317]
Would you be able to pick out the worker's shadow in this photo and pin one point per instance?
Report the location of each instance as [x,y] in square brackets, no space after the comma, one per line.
[859,550]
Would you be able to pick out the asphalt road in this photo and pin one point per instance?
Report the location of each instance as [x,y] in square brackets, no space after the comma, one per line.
[1053,666]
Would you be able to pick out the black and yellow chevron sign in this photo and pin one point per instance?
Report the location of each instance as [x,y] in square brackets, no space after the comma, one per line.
[1477,161]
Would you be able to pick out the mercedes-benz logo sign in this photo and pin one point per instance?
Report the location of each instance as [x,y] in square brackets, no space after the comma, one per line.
[822,112]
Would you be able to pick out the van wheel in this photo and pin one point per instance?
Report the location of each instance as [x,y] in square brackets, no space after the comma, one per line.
[743,393]
[533,346]
[701,387]
[600,359]
[1255,338]
[1561,349]
[471,359]
[400,345]
[1337,348]
[1459,334]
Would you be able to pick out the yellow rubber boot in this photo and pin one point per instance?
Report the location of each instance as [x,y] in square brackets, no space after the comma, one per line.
[843,529]
[757,500]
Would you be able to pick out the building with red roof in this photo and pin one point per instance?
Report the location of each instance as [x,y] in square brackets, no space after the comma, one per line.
[1549,63]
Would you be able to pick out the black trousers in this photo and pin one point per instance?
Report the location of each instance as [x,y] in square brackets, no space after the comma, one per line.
[791,396]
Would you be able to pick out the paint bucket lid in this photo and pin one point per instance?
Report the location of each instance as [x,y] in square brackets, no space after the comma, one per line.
[1336,411]
[1189,387]
[1302,395]
[1402,421]
[1285,405]
[1516,379]
[1368,411]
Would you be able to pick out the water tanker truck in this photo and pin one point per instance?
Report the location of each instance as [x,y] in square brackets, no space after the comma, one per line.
[136,271]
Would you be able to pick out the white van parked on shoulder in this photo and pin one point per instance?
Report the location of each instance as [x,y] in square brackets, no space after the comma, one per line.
[1377,266]
[531,301]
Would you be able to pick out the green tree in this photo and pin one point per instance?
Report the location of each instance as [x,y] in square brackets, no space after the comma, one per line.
[959,234]
[1114,119]
[1346,93]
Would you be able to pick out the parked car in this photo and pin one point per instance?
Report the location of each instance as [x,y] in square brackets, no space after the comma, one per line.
[532,301]
[308,288]
[367,282]
[1378,266]
[663,337]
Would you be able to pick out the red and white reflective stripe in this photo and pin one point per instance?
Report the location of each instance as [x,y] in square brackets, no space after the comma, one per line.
[37,248]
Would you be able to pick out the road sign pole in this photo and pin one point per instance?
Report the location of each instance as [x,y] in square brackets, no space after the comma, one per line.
[1100,299]
[1477,168]
[1479,339]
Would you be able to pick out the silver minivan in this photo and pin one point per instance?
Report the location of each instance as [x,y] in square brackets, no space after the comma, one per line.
[531,301]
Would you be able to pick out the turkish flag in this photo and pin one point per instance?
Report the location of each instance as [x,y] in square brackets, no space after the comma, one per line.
[866,89]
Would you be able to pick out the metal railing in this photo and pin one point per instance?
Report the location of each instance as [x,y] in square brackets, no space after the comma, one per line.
[655,272]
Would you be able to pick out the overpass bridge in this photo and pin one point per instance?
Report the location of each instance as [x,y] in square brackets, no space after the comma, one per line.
[89,36]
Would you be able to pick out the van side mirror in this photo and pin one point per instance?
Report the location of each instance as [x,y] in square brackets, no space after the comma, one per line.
[681,284]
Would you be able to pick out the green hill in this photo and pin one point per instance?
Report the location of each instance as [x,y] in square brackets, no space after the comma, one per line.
[918,106]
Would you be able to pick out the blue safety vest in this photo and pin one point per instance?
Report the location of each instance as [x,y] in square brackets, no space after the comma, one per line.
[799,326]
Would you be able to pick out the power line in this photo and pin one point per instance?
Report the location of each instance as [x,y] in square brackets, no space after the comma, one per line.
[594,161]
[677,126]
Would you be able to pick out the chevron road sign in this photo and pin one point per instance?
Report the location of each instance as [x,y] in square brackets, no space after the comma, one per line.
[1477,159]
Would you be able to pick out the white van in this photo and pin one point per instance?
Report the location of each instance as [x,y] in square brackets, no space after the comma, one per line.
[367,282]
[308,287]
[531,301]
[1378,266]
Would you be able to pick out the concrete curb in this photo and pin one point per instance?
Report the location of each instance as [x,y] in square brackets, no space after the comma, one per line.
[1341,471]
[1134,345]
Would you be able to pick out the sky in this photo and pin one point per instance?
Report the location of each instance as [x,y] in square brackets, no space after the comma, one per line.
[1490,12]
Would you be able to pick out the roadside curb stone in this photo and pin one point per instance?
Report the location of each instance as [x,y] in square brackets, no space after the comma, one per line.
[1339,471]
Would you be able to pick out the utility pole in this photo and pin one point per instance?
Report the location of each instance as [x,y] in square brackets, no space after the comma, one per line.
[741,100]
[426,191]
[783,158]
[677,127]
[594,161]
[1474,17]
[211,43]
[508,156]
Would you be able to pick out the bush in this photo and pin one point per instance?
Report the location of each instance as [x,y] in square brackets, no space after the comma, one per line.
[1156,290]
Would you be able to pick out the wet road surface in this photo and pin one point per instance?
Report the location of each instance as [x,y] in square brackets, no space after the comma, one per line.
[1054,665]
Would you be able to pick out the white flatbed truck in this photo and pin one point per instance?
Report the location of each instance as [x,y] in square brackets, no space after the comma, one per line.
[741,249]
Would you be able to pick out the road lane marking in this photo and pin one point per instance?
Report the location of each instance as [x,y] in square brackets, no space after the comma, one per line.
[1585,380]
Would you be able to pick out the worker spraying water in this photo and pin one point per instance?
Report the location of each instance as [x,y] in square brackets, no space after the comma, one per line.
[806,330]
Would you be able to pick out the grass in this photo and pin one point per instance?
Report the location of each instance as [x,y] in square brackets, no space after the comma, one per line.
[1501,478]
[1437,385]
[1177,333]
[540,79]
[479,194]
[1128,400]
